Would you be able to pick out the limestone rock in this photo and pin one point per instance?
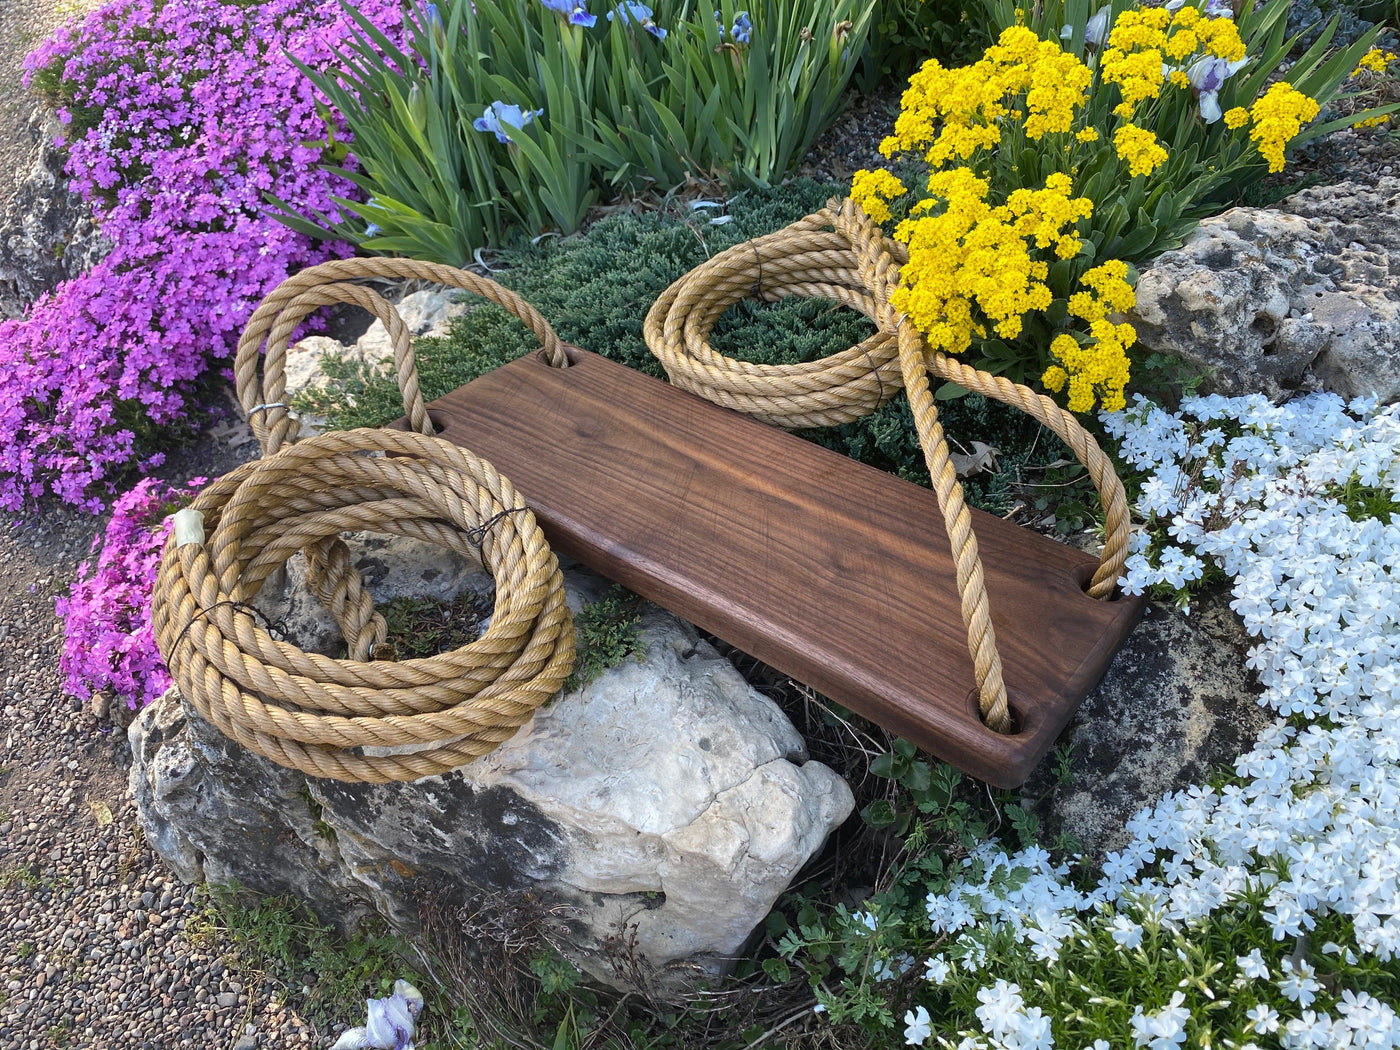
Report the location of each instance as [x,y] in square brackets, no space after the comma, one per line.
[1176,704]
[428,314]
[657,813]
[1277,301]
[46,232]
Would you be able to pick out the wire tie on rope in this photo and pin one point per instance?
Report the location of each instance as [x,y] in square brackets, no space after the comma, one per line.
[278,629]
[476,535]
[758,284]
[264,407]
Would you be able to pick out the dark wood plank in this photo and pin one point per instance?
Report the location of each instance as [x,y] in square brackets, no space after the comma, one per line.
[835,573]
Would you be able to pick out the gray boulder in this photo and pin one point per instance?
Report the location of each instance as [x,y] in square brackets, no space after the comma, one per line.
[1302,297]
[1176,704]
[654,815]
[46,231]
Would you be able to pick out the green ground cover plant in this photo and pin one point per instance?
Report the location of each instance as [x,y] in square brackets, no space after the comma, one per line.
[595,288]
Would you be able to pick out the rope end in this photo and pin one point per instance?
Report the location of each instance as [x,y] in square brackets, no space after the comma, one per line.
[189,527]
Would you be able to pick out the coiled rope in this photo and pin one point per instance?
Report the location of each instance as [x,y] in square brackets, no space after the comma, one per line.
[311,712]
[840,253]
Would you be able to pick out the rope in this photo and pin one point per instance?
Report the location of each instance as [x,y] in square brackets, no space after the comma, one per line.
[290,302]
[314,713]
[840,253]
[310,712]
[317,714]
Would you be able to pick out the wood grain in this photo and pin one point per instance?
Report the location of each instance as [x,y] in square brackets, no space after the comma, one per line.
[834,573]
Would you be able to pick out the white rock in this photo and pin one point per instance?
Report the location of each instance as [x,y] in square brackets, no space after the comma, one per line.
[649,819]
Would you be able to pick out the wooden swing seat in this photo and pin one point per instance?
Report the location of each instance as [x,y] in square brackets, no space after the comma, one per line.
[833,572]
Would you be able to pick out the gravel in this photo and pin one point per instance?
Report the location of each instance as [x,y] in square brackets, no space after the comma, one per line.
[100,947]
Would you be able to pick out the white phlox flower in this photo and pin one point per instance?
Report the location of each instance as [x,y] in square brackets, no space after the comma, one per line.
[1163,1029]
[918,1026]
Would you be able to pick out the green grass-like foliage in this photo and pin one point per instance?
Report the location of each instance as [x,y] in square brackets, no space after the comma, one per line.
[422,627]
[281,938]
[730,91]
[596,289]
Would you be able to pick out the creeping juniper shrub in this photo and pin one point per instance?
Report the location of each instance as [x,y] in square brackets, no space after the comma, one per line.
[597,287]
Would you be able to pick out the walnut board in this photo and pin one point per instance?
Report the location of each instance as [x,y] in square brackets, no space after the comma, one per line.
[835,573]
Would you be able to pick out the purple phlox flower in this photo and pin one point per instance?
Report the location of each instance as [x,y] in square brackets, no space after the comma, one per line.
[575,13]
[500,117]
[1095,30]
[1208,76]
[743,28]
[630,11]
[1219,9]
[391,1022]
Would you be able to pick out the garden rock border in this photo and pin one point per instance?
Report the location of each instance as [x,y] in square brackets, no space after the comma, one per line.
[1302,297]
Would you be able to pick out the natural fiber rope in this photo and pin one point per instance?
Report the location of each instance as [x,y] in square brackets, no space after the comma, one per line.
[296,297]
[840,253]
[312,712]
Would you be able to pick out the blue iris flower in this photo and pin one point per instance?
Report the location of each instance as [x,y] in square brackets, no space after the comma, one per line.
[501,118]
[743,28]
[631,11]
[432,17]
[576,13]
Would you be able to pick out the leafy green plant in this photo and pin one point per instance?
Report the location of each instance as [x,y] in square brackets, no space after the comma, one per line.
[609,632]
[509,115]
[420,627]
[280,937]
[1366,501]
[865,964]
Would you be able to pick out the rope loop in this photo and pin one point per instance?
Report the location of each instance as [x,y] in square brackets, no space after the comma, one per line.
[840,253]
[287,305]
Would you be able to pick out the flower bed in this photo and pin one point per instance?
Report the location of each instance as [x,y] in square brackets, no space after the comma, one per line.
[107,638]
[1267,908]
[181,117]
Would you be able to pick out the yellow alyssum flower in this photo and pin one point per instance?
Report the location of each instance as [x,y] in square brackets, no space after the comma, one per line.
[949,115]
[1221,38]
[1278,115]
[1182,43]
[1138,74]
[1139,148]
[1373,122]
[1186,17]
[1098,368]
[1087,135]
[872,189]
[970,262]
[1236,118]
[1142,28]
[1375,60]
